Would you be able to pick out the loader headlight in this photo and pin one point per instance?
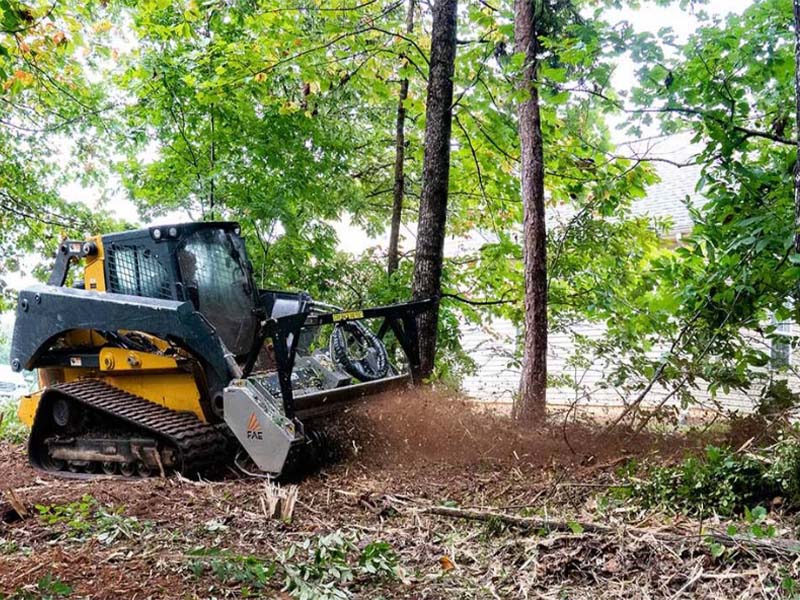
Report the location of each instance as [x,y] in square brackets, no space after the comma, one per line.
[157,234]
[173,232]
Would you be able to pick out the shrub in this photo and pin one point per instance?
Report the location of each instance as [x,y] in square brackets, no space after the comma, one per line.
[11,428]
[783,468]
[723,482]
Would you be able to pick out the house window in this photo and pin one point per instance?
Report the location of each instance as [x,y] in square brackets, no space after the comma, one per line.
[780,348]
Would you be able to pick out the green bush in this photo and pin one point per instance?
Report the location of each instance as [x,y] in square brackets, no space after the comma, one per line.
[724,482]
[11,428]
[783,469]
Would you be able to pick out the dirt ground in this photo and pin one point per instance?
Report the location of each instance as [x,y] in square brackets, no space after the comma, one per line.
[400,455]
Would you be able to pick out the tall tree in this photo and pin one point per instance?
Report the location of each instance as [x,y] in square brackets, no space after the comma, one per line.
[286,142]
[398,190]
[796,5]
[531,402]
[435,176]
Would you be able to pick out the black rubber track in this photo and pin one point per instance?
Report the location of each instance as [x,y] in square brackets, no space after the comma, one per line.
[196,444]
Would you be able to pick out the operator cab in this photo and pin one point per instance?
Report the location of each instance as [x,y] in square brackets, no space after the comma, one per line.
[202,263]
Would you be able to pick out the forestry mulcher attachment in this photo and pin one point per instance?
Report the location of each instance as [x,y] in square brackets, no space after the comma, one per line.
[167,357]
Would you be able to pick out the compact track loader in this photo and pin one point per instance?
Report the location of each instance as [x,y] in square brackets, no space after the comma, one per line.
[166,356]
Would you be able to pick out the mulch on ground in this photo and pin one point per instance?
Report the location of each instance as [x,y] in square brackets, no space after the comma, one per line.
[398,454]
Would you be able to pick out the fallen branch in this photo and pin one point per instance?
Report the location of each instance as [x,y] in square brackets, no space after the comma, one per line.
[767,546]
[522,522]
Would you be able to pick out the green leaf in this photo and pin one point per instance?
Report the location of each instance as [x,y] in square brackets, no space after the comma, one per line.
[716,549]
[575,527]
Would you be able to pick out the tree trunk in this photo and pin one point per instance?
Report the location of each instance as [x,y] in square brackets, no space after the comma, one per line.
[797,128]
[530,406]
[435,176]
[399,159]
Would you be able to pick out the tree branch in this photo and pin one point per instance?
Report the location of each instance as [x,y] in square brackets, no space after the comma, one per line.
[749,132]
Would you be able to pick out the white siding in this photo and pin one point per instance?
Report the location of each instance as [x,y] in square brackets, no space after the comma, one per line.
[492,345]
[668,198]
[497,377]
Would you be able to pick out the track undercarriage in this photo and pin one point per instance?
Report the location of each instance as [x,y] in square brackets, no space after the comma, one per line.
[89,427]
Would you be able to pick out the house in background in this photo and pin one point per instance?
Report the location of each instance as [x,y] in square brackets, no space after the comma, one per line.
[492,344]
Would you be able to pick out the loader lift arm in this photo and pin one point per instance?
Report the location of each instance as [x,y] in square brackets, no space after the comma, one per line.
[47,312]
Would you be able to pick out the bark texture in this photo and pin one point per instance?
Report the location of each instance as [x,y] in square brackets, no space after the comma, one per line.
[797,126]
[530,406]
[399,161]
[435,176]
